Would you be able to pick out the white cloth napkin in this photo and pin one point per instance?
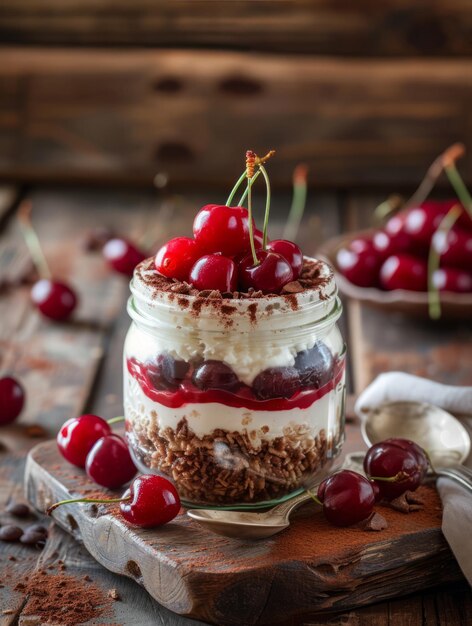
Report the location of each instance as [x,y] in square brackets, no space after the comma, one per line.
[457,502]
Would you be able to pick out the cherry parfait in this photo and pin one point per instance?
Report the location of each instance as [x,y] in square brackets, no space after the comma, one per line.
[233,364]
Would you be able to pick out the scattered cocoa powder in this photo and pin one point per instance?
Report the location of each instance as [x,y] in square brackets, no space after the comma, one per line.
[57,598]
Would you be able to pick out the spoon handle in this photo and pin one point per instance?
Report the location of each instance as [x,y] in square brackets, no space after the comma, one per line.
[456,474]
[285,508]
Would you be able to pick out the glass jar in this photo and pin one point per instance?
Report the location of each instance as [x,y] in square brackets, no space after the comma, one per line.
[239,400]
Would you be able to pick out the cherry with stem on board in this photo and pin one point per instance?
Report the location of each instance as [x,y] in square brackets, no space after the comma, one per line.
[149,501]
[54,299]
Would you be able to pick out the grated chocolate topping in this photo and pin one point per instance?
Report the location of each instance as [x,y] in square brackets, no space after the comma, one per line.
[314,277]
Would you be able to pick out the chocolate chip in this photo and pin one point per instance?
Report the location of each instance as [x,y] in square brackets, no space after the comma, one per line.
[407,502]
[375,522]
[33,539]
[18,509]
[292,287]
[37,528]
[10,533]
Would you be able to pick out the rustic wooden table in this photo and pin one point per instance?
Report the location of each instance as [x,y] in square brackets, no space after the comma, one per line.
[72,368]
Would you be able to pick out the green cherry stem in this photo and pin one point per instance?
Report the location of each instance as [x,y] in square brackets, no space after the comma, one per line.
[267,207]
[297,207]
[235,189]
[115,420]
[251,229]
[314,498]
[448,221]
[244,196]
[390,479]
[459,187]
[85,500]
[31,240]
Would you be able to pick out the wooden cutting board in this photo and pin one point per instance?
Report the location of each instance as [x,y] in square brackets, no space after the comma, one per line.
[310,567]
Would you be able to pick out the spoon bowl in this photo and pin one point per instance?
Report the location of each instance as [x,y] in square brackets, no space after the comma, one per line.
[437,431]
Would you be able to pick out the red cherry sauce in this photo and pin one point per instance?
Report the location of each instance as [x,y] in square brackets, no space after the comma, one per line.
[243,398]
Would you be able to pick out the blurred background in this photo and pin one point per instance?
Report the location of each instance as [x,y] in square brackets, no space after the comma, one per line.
[99,91]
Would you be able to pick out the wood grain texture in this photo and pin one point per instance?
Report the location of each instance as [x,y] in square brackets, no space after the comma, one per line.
[101,115]
[392,27]
[201,575]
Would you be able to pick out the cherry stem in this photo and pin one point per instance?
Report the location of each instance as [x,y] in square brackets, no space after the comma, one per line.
[31,240]
[459,187]
[447,222]
[267,207]
[235,189]
[388,207]
[251,229]
[314,498]
[297,207]
[115,420]
[252,181]
[390,479]
[85,500]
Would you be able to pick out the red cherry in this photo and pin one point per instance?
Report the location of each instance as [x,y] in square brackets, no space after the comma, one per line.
[12,399]
[272,273]
[315,365]
[109,462]
[452,279]
[219,228]
[276,382]
[392,458]
[422,221]
[153,501]
[176,257]
[122,255]
[214,374]
[386,244]
[291,252]
[165,372]
[347,498]
[359,263]
[54,299]
[78,435]
[403,271]
[214,271]
[454,248]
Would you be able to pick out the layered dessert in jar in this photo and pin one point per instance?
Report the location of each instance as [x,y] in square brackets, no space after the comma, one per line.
[236,391]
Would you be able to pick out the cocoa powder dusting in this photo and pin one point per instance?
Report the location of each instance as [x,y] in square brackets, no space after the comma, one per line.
[58,598]
[311,278]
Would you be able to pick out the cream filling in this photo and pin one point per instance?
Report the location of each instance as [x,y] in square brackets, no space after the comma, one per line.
[204,418]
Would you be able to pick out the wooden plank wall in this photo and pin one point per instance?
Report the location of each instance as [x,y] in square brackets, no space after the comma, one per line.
[362,28]
[366,93]
[115,116]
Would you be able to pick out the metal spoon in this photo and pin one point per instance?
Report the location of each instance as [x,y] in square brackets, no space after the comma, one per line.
[437,431]
[249,525]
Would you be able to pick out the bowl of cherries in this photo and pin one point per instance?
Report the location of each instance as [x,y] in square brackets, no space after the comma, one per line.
[390,267]
[419,262]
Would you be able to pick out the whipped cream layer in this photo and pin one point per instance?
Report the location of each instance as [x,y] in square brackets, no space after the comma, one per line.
[191,327]
[203,419]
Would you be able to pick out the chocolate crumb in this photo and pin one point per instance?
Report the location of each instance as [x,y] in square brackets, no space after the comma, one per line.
[113,593]
[375,522]
[87,578]
[407,502]
[292,287]
[12,558]
[8,612]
